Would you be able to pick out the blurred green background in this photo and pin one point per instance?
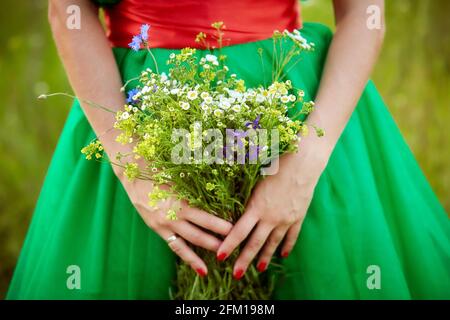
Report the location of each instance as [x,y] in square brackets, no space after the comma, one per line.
[413,75]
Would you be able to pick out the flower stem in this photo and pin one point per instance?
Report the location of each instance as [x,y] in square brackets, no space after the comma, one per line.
[154,60]
[89,102]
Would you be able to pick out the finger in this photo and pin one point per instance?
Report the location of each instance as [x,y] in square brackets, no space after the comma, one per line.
[181,249]
[237,234]
[251,249]
[270,247]
[195,235]
[207,221]
[291,239]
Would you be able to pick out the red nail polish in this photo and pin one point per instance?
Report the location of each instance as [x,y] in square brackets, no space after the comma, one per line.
[238,274]
[201,272]
[221,256]
[262,266]
[285,254]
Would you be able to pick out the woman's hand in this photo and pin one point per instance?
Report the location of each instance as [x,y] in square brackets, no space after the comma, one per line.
[275,212]
[186,227]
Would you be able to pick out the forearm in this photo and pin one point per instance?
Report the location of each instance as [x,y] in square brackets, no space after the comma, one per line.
[351,57]
[91,68]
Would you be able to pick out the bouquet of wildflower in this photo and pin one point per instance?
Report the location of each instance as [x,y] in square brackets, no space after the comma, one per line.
[201,131]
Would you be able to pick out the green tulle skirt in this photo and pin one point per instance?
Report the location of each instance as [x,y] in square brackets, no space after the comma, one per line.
[374,229]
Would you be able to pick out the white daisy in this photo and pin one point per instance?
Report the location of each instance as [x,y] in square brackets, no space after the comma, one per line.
[125,115]
[210,57]
[208,100]
[224,104]
[192,95]
[184,105]
[218,113]
[285,99]
[236,108]
[204,94]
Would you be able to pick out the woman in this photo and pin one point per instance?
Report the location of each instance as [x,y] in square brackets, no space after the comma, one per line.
[374,228]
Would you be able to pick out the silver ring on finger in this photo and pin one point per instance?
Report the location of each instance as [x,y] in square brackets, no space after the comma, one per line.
[171,239]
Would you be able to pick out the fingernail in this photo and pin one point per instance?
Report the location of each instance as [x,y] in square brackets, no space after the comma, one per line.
[285,254]
[201,272]
[262,266]
[222,256]
[238,274]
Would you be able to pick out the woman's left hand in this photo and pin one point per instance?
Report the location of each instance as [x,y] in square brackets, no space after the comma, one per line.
[275,212]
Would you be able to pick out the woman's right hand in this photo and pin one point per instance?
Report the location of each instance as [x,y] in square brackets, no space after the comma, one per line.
[188,227]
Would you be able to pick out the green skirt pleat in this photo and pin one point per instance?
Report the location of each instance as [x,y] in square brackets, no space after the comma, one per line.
[374,230]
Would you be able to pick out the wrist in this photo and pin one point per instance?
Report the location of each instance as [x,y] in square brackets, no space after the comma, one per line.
[315,151]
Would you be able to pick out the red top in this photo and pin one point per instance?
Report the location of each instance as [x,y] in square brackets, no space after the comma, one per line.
[175,23]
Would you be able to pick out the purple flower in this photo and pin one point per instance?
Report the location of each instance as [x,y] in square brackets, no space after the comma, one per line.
[140,38]
[240,135]
[131,94]
[253,153]
[255,123]
[144,32]
[135,44]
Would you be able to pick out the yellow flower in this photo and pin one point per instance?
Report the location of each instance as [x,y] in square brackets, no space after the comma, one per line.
[200,37]
[93,149]
[240,85]
[305,130]
[171,215]
[131,171]
[218,25]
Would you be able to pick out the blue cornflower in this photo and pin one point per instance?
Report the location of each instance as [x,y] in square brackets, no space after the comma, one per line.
[135,43]
[144,32]
[131,94]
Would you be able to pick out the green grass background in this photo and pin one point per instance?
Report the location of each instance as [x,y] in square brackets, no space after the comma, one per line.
[413,75]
